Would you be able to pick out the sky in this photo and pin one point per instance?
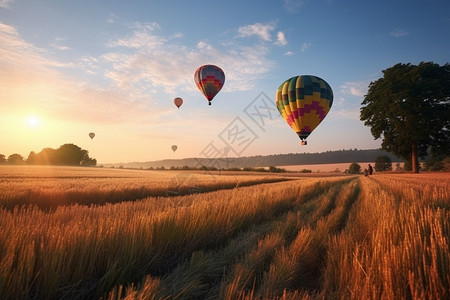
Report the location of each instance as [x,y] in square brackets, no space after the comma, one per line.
[69,68]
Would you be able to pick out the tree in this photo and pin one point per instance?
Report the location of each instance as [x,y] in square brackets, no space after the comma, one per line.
[16,159]
[70,155]
[354,168]
[32,158]
[2,159]
[409,108]
[383,163]
[67,154]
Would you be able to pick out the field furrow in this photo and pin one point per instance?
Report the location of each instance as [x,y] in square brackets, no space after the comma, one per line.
[378,237]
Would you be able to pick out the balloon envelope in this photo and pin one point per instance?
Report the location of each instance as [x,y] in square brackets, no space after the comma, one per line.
[178,102]
[91,135]
[304,101]
[209,80]
[174,148]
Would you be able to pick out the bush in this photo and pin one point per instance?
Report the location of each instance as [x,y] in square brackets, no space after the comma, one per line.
[354,168]
[274,169]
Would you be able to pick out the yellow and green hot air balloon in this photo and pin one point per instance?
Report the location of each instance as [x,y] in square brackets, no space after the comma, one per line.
[304,101]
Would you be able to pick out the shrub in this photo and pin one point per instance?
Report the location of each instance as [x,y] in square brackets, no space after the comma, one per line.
[354,168]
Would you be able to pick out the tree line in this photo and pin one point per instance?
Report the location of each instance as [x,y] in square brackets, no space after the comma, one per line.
[224,162]
[65,155]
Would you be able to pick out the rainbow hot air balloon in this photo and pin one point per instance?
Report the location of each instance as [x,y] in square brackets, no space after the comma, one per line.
[91,135]
[209,80]
[178,102]
[304,101]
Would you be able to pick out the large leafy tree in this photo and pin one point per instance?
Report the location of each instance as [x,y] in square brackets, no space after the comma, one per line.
[409,108]
[67,154]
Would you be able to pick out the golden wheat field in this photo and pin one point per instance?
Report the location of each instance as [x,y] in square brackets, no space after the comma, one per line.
[192,235]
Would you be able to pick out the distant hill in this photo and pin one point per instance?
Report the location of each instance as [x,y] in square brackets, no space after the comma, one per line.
[328,157]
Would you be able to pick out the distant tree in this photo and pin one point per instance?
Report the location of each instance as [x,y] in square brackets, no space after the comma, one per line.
[67,154]
[409,109]
[16,159]
[32,158]
[70,155]
[383,163]
[2,159]
[89,162]
[354,168]
[46,157]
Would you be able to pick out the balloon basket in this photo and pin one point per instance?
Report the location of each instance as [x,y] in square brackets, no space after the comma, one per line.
[304,143]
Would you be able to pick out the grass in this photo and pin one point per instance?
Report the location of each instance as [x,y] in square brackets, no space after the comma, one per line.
[377,237]
[49,187]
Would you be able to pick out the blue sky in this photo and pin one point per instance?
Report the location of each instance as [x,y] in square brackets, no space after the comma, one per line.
[68,68]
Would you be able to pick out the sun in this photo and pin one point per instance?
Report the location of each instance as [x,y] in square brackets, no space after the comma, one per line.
[33,121]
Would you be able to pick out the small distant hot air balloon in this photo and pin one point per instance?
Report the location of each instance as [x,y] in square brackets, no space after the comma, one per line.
[209,80]
[178,102]
[304,101]
[91,135]
[174,148]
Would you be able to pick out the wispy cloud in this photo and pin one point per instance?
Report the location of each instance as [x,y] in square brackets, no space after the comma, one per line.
[305,47]
[142,36]
[346,113]
[162,62]
[6,3]
[293,6]
[398,32]
[288,53]
[263,31]
[358,89]
[281,39]
[58,45]
[347,102]
[112,18]
[23,86]
[137,66]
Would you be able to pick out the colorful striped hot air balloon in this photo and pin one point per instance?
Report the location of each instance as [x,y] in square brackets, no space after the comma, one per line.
[209,80]
[304,101]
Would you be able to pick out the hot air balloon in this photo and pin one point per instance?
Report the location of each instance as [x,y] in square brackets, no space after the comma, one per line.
[91,135]
[304,101]
[174,148]
[178,102]
[209,80]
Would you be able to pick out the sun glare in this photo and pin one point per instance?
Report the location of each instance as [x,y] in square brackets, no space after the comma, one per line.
[33,121]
